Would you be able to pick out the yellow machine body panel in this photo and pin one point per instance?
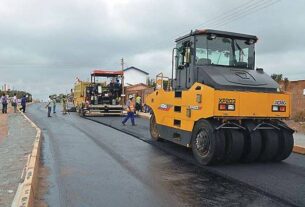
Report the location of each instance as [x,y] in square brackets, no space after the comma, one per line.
[182,109]
[80,93]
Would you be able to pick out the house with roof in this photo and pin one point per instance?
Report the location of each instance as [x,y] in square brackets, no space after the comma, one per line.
[133,76]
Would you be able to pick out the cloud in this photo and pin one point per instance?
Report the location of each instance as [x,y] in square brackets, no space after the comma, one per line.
[46,44]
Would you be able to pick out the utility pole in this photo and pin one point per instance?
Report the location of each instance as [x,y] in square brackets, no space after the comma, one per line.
[123,88]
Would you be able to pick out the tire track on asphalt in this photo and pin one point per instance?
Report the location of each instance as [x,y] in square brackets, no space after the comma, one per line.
[164,148]
[126,165]
[209,169]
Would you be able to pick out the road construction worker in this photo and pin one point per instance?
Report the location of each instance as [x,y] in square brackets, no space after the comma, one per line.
[130,111]
[64,105]
[54,105]
[23,103]
[15,102]
[138,103]
[49,106]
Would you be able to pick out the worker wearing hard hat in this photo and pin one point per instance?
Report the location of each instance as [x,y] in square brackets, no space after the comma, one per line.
[130,111]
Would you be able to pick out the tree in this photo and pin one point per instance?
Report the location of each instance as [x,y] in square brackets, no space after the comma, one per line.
[277,77]
[286,83]
[151,82]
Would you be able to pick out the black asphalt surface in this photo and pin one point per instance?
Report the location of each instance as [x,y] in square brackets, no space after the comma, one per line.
[284,180]
[94,165]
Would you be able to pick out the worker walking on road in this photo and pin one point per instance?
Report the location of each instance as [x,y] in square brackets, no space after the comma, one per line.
[23,103]
[130,111]
[49,106]
[15,102]
[64,105]
[54,105]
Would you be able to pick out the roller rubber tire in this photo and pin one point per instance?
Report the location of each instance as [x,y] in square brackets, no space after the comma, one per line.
[270,145]
[216,143]
[234,145]
[253,144]
[286,143]
[153,128]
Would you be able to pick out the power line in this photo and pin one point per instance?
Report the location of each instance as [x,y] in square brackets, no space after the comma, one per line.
[226,14]
[233,11]
[246,13]
[237,12]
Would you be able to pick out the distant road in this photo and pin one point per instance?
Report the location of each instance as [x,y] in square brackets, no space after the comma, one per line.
[94,165]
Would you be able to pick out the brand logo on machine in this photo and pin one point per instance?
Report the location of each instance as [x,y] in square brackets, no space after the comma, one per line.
[165,107]
[279,102]
[195,107]
[227,101]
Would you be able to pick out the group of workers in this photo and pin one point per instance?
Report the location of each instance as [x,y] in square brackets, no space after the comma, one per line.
[14,101]
[51,104]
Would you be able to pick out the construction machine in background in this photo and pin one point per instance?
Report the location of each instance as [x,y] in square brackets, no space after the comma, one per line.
[101,96]
[220,105]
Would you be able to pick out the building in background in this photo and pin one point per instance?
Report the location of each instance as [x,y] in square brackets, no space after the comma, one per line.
[133,76]
[297,90]
[5,87]
[140,89]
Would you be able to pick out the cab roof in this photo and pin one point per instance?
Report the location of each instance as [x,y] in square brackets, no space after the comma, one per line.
[218,32]
[106,73]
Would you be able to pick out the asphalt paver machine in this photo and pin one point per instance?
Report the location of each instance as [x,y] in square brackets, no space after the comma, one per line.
[101,96]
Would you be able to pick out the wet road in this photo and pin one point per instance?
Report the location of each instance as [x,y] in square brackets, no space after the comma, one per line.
[284,180]
[94,165]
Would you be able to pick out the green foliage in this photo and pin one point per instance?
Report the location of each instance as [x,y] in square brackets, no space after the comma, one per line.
[277,77]
[19,94]
[59,97]
[151,82]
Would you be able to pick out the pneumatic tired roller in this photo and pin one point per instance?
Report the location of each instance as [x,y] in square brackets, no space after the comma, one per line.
[219,105]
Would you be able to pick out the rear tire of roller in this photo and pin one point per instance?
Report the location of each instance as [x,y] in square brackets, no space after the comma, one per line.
[270,145]
[286,143]
[253,144]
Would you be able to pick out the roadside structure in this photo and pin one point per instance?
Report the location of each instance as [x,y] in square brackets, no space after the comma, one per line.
[140,89]
[133,76]
[297,90]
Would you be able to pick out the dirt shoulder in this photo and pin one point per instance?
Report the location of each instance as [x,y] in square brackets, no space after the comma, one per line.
[4,125]
[15,146]
[297,126]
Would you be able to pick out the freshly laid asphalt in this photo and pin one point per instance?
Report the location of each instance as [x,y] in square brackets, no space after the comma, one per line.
[91,164]
[284,180]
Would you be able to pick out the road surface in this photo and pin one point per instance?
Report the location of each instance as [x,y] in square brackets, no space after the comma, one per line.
[94,165]
[284,180]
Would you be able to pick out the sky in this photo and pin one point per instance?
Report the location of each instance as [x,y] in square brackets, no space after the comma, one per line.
[45,45]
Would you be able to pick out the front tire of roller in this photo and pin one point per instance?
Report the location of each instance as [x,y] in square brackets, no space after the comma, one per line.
[286,143]
[234,145]
[154,133]
[208,145]
[270,145]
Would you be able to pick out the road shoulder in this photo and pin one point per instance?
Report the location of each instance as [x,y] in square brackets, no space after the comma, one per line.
[19,154]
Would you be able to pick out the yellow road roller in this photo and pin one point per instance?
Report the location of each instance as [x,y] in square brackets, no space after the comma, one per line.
[219,104]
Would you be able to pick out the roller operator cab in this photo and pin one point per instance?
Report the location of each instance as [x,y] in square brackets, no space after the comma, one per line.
[220,105]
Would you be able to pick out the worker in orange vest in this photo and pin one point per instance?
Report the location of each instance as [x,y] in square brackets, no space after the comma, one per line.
[130,111]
